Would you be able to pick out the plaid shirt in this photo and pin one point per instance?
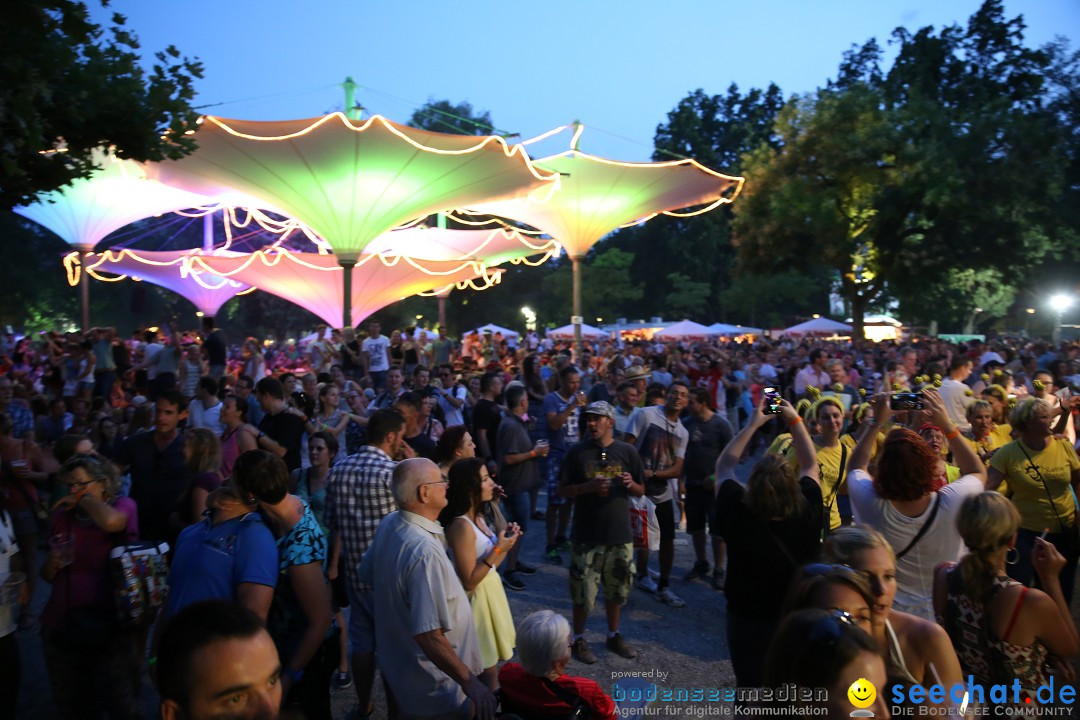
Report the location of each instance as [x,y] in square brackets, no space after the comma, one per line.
[358,497]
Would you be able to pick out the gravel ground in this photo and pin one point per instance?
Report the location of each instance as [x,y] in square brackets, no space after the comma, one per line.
[683,647]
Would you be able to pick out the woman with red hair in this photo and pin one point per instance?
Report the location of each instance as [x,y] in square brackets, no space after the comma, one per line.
[900,502]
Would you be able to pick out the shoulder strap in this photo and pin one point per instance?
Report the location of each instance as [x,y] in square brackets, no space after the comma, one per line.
[1053,505]
[1015,613]
[936,502]
[566,695]
[839,479]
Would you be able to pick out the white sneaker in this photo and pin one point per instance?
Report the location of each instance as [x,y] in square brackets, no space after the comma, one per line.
[647,584]
[669,598]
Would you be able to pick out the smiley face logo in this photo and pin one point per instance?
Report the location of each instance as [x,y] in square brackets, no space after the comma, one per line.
[862,693]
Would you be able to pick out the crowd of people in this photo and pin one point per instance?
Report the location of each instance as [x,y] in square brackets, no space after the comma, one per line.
[359,504]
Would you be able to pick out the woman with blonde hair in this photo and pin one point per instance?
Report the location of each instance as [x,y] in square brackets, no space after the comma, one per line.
[1003,630]
[916,651]
[833,452]
[1040,471]
[202,456]
[986,437]
[772,526]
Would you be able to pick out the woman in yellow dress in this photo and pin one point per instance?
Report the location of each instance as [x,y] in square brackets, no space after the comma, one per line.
[476,551]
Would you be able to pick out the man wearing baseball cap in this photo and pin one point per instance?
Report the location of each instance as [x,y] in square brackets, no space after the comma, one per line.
[601,473]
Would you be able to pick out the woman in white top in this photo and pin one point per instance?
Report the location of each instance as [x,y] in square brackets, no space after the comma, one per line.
[899,500]
[476,551]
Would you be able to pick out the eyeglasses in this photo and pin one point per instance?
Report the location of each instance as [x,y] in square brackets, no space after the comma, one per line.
[444,481]
[827,631]
[80,486]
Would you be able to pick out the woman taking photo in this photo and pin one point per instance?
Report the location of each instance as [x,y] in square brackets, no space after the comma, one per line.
[1003,631]
[900,502]
[917,651]
[772,526]
[1041,471]
[476,551]
[94,665]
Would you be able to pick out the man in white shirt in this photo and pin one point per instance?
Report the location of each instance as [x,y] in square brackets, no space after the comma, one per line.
[954,393]
[375,352]
[813,374]
[205,410]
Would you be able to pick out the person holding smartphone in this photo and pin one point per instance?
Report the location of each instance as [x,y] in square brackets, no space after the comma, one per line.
[477,550]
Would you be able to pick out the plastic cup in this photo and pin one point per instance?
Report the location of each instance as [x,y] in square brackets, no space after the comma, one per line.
[62,545]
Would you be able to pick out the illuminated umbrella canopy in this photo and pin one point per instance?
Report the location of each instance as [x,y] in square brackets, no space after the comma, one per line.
[88,209]
[492,247]
[165,269]
[316,282]
[685,330]
[118,194]
[597,196]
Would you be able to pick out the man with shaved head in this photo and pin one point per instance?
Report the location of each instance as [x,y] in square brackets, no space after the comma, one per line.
[425,640]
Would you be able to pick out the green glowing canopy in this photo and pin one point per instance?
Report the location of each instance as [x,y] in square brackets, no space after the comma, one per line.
[351,181]
[596,196]
[492,246]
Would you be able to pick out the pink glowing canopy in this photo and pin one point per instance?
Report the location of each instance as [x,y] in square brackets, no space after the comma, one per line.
[118,194]
[352,181]
[493,247]
[166,269]
[597,196]
[316,282]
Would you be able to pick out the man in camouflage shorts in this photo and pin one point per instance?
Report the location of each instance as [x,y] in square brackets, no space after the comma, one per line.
[602,474]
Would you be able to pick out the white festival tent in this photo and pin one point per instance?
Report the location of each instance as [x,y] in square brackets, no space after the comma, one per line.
[588,332]
[733,330]
[818,326]
[687,329]
[507,333]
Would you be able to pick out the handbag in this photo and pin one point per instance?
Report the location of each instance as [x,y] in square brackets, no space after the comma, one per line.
[139,572]
[643,523]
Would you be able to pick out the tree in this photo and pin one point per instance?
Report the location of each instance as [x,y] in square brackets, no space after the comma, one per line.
[950,159]
[715,130]
[67,88]
[443,116]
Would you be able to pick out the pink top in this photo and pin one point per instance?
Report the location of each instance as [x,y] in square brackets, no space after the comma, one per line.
[230,450]
[86,583]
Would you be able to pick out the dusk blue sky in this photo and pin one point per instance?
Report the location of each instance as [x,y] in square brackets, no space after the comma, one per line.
[619,67]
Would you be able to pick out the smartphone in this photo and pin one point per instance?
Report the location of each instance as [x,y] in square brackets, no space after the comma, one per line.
[906,401]
[508,533]
[772,401]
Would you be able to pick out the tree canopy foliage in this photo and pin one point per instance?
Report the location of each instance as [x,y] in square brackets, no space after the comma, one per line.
[67,86]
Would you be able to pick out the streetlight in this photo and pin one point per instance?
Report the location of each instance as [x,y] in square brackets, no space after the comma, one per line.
[530,318]
[1059,303]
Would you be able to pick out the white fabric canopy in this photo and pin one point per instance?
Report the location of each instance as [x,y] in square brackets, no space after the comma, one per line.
[729,330]
[822,326]
[491,328]
[588,332]
[687,329]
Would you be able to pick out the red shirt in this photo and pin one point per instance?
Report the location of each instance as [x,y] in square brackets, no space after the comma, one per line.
[529,691]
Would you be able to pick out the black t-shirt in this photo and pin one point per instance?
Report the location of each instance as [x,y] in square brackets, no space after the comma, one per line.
[422,445]
[487,415]
[214,345]
[601,520]
[759,570]
[599,392]
[159,481]
[347,362]
[287,430]
[707,440]
[513,439]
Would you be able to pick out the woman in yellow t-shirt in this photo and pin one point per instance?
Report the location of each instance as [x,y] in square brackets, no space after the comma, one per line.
[1040,471]
[782,443]
[833,453]
[998,399]
[986,437]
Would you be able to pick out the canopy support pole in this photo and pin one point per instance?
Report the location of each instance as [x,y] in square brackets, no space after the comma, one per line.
[576,318]
[347,265]
[84,295]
